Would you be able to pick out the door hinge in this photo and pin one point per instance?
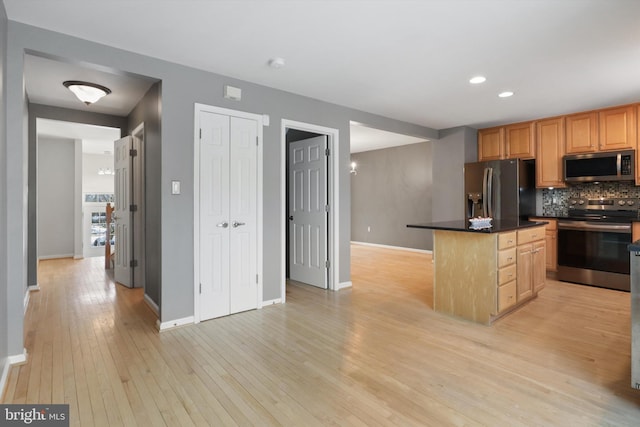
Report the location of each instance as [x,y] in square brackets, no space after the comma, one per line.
[256,278]
[133,208]
[133,263]
[257,141]
[133,152]
[200,291]
[327,152]
[327,264]
[200,136]
[326,208]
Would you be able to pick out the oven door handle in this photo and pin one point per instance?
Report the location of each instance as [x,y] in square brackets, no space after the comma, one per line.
[590,226]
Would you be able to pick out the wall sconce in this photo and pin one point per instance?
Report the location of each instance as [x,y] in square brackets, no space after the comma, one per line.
[353,168]
[107,171]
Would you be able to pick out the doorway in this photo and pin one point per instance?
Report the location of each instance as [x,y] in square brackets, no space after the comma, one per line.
[318,263]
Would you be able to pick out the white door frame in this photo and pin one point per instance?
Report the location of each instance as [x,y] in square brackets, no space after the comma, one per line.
[196,199]
[333,199]
[139,196]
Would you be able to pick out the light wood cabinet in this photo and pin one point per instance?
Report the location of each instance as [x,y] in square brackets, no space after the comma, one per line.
[550,137]
[635,231]
[582,133]
[531,263]
[520,141]
[477,276]
[551,242]
[539,273]
[617,128]
[491,144]
[507,270]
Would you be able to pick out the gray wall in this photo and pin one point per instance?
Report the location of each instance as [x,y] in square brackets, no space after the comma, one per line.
[181,88]
[56,196]
[455,147]
[4,297]
[54,113]
[392,189]
[148,111]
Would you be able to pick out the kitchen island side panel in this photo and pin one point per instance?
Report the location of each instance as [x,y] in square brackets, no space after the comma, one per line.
[465,274]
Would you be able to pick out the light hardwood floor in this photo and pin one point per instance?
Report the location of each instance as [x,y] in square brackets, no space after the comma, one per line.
[372,355]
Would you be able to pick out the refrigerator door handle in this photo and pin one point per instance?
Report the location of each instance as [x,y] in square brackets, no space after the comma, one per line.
[490,193]
[485,200]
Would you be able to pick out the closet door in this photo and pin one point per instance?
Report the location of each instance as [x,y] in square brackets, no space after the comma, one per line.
[242,215]
[214,216]
[228,215]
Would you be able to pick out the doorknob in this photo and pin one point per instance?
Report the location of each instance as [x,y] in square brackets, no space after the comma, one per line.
[290,217]
[236,224]
[114,217]
[222,224]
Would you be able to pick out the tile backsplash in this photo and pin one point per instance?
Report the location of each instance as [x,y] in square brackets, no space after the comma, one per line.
[555,202]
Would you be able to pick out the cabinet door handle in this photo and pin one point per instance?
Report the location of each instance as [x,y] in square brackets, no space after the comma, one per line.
[222,224]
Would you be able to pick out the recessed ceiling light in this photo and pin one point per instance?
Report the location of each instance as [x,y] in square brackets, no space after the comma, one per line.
[276,63]
[505,94]
[477,80]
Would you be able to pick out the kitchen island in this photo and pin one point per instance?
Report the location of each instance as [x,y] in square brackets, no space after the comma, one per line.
[481,275]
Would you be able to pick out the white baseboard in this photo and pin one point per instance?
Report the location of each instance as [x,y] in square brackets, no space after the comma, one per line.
[422,251]
[163,326]
[271,302]
[11,360]
[27,295]
[44,257]
[78,257]
[18,358]
[343,285]
[152,305]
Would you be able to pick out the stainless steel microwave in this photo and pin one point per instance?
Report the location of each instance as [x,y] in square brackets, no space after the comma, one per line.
[594,167]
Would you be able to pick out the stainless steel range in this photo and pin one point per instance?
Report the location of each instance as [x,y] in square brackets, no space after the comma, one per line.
[592,242]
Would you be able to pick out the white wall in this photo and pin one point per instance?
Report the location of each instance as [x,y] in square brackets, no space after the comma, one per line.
[91,181]
[56,177]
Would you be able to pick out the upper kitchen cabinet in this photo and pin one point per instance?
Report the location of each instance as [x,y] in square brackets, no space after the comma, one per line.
[618,128]
[582,133]
[550,149]
[491,144]
[520,141]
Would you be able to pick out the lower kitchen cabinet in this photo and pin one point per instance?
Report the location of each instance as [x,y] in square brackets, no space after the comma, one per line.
[551,240]
[531,263]
[484,276]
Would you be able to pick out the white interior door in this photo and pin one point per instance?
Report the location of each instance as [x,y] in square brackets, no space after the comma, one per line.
[121,214]
[307,212]
[242,215]
[228,215]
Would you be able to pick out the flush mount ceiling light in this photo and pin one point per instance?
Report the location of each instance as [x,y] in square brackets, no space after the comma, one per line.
[477,80]
[276,63]
[87,92]
[505,94]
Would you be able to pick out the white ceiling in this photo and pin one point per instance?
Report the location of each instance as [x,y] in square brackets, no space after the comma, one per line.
[44,78]
[95,139]
[409,60]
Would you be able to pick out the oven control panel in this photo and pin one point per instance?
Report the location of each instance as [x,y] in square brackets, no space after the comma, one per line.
[619,204]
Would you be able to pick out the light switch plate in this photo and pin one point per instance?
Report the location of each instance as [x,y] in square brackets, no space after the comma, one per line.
[175,187]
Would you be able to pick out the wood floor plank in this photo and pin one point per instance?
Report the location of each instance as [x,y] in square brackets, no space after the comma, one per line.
[375,354]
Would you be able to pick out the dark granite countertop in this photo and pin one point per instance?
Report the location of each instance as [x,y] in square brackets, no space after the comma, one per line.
[463,225]
[634,247]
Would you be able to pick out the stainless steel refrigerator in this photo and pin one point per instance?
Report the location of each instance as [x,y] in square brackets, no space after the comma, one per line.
[500,189]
